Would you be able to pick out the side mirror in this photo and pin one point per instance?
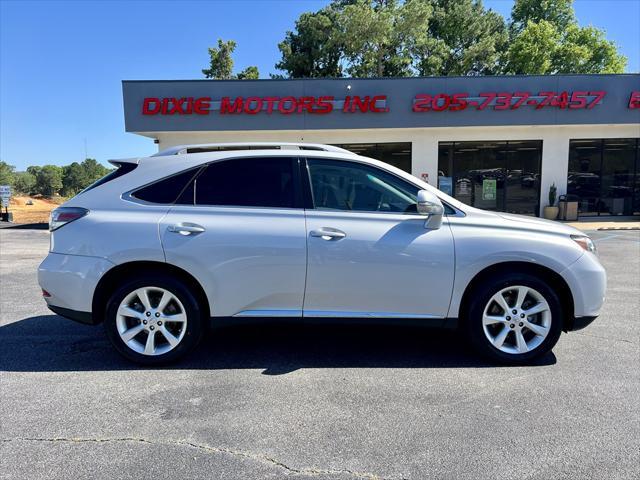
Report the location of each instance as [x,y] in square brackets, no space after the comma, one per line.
[431,206]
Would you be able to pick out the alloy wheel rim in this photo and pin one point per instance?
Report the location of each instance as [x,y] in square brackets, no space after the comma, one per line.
[151,321]
[516,319]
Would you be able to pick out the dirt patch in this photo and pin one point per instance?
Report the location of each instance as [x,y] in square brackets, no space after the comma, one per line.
[36,212]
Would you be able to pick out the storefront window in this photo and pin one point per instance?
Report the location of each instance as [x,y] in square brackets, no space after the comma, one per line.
[502,176]
[605,176]
[396,154]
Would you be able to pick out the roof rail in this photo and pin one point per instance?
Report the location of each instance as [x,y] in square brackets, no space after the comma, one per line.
[222,147]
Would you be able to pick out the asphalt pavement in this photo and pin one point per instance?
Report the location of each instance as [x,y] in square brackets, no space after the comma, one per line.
[316,402]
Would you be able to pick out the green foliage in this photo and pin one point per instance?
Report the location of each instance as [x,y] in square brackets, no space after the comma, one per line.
[74,179]
[48,180]
[24,183]
[586,50]
[52,179]
[546,39]
[556,12]
[93,170]
[78,176]
[6,173]
[552,194]
[463,39]
[364,38]
[380,37]
[249,73]
[314,49]
[532,51]
[221,63]
[221,60]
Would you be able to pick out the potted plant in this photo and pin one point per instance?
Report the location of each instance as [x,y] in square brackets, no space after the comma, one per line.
[551,211]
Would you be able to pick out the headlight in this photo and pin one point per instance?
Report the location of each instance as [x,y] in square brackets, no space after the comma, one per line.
[585,242]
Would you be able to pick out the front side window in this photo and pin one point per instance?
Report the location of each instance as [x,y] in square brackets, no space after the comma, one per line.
[339,185]
[247,182]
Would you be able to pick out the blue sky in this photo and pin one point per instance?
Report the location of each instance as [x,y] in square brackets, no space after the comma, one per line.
[61,62]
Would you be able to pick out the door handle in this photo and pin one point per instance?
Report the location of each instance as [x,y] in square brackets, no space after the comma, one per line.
[186,229]
[327,233]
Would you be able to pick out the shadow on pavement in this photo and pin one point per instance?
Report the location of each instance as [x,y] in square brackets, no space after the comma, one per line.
[25,226]
[50,343]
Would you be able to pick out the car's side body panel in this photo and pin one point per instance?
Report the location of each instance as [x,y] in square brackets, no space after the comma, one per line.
[388,265]
[70,280]
[249,261]
[484,239]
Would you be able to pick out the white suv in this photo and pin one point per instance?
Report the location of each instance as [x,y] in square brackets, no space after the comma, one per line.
[164,244]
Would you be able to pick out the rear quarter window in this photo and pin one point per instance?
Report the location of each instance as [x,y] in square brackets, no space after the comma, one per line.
[177,188]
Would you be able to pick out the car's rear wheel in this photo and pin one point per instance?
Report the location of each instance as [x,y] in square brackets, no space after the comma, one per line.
[153,320]
[515,318]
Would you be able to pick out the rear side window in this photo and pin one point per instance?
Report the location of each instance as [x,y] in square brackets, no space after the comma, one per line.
[247,182]
[167,190]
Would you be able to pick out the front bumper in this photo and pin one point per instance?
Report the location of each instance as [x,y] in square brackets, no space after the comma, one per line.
[71,281]
[587,280]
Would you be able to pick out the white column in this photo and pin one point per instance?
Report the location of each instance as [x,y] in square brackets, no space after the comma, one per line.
[424,157]
[555,164]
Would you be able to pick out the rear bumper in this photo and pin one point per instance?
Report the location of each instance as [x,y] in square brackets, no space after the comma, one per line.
[81,317]
[71,280]
[579,323]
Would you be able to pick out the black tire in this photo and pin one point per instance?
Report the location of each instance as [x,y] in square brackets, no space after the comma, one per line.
[194,326]
[473,324]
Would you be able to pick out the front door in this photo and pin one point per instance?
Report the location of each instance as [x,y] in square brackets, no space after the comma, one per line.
[240,230]
[369,254]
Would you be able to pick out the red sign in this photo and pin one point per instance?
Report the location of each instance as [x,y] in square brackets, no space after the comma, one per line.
[322,105]
[507,101]
[254,105]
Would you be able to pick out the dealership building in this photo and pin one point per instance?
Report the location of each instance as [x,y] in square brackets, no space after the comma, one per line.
[497,143]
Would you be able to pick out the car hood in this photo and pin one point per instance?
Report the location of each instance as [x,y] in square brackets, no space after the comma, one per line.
[522,222]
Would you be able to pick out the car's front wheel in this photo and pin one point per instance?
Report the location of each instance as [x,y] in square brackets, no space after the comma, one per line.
[514,318]
[153,320]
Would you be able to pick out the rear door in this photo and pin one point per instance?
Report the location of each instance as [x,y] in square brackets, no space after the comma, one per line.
[369,254]
[239,228]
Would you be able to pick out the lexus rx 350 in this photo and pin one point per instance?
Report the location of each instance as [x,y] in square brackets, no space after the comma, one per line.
[163,245]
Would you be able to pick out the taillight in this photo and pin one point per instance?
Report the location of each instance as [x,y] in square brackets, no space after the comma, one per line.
[63,215]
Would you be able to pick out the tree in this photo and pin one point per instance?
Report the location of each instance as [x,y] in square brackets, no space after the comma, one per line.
[557,12]
[532,50]
[379,37]
[249,73]
[586,50]
[74,179]
[48,180]
[364,38]
[93,170]
[464,39]
[6,173]
[221,63]
[546,39]
[24,183]
[314,49]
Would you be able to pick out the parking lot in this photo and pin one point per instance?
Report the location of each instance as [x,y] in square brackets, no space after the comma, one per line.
[316,402]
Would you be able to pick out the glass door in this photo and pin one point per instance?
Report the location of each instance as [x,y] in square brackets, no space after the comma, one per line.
[500,176]
[604,175]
